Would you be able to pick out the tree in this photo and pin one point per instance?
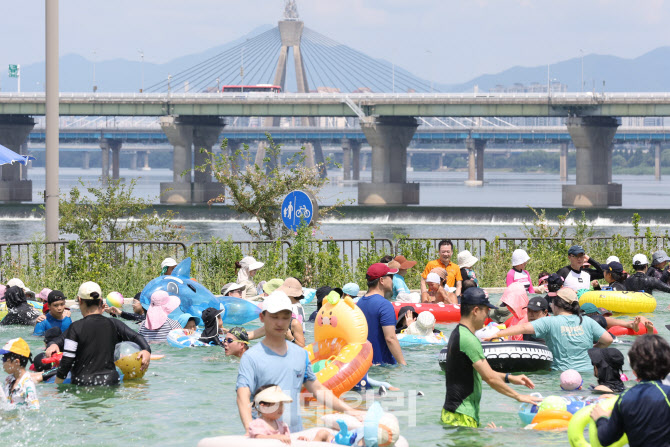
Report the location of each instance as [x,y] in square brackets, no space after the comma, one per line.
[113,213]
[258,193]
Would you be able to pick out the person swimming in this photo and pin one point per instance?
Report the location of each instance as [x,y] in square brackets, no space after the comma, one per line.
[607,368]
[211,318]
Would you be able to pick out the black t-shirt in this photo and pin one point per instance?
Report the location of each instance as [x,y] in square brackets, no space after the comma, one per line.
[89,349]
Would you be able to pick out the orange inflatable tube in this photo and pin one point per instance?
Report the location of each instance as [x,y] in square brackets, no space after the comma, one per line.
[552,425]
[620,330]
[340,334]
[548,415]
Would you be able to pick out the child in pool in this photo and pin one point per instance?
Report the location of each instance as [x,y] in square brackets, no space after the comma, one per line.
[19,390]
[608,369]
[269,403]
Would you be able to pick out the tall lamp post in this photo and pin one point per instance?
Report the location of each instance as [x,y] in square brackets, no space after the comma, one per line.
[51,88]
[582,54]
[142,59]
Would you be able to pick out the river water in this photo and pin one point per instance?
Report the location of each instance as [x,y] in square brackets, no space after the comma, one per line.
[190,394]
[501,206]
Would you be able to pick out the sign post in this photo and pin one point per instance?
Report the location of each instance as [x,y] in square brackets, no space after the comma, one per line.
[15,72]
[297,209]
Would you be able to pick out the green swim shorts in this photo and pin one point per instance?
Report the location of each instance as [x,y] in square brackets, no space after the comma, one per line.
[458,420]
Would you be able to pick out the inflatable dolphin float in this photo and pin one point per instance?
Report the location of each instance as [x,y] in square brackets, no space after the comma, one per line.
[195,297]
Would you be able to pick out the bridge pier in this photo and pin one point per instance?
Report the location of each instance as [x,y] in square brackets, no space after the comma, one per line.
[475,149]
[146,166]
[182,132]
[107,144]
[14,129]
[355,160]
[657,161]
[116,157]
[346,159]
[86,160]
[389,138]
[238,162]
[592,137]
[564,162]
[133,161]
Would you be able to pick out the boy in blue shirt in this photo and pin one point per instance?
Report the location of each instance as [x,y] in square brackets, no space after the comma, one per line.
[55,317]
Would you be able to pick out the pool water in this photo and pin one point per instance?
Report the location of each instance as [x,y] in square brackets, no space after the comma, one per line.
[190,394]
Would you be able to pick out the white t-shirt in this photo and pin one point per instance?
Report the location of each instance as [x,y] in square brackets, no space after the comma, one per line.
[577,281]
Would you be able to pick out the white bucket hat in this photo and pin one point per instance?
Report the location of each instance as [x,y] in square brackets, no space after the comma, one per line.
[425,322]
[465,259]
[519,257]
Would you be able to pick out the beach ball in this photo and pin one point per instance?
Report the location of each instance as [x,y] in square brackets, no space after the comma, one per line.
[553,403]
[115,299]
[125,358]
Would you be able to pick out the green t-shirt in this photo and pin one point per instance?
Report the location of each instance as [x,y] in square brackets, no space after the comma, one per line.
[464,384]
[568,340]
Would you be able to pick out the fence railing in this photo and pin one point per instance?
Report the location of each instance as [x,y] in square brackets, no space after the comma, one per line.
[29,253]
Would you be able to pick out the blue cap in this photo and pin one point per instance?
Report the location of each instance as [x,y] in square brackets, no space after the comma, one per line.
[476,296]
[351,289]
[576,250]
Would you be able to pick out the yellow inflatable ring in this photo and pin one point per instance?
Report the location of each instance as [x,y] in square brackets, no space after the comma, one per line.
[340,334]
[620,301]
[581,419]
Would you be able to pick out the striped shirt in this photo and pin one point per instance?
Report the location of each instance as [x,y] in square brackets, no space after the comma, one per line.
[160,334]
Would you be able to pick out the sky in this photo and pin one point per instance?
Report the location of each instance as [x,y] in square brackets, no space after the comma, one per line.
[444,40]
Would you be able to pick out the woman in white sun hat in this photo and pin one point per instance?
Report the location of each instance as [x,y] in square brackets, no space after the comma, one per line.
[248,267]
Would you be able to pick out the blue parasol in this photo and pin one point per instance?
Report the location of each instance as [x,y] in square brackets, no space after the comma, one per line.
[8,156]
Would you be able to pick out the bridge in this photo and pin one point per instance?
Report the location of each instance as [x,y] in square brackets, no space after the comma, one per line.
[193,116]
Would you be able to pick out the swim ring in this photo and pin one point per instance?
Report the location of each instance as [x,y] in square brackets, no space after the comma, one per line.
[444,313]
[620,330]
[620,301]
[573,404]
[181,338]
[340,331]
[583,418]
[512,356]
[434,339]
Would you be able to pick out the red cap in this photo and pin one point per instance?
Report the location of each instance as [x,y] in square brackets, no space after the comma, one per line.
[378,270]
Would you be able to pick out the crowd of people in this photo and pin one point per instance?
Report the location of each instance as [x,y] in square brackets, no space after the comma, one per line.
[273,371]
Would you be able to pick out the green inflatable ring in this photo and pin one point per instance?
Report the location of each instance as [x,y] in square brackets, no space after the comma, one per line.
[582,418]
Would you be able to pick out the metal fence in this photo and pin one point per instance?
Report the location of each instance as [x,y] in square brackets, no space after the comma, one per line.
[33,253]
[476,246]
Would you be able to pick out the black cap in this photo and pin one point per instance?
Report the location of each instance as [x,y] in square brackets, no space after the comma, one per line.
[554,282]
[209,315]
[401,316]
[55,295]
[476,296]
[39,365]
[537,303]
[137,296]
[52,334]
[613,266]
[610,356]
[576,250]
[598,319]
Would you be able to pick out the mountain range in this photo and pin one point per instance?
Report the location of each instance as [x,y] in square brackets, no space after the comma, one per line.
[646,73]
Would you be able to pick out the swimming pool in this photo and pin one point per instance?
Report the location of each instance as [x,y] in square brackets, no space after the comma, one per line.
[190,394]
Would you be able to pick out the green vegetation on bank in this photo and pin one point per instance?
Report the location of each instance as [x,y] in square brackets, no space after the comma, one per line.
[315,262]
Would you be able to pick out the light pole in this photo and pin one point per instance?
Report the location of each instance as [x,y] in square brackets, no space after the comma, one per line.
[51,112]
[142,59]
[582,54]
[95,87]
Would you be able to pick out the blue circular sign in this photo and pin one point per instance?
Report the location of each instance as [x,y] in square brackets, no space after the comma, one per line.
[296,209]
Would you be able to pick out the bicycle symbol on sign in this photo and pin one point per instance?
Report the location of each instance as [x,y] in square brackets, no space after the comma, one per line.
[302,212]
